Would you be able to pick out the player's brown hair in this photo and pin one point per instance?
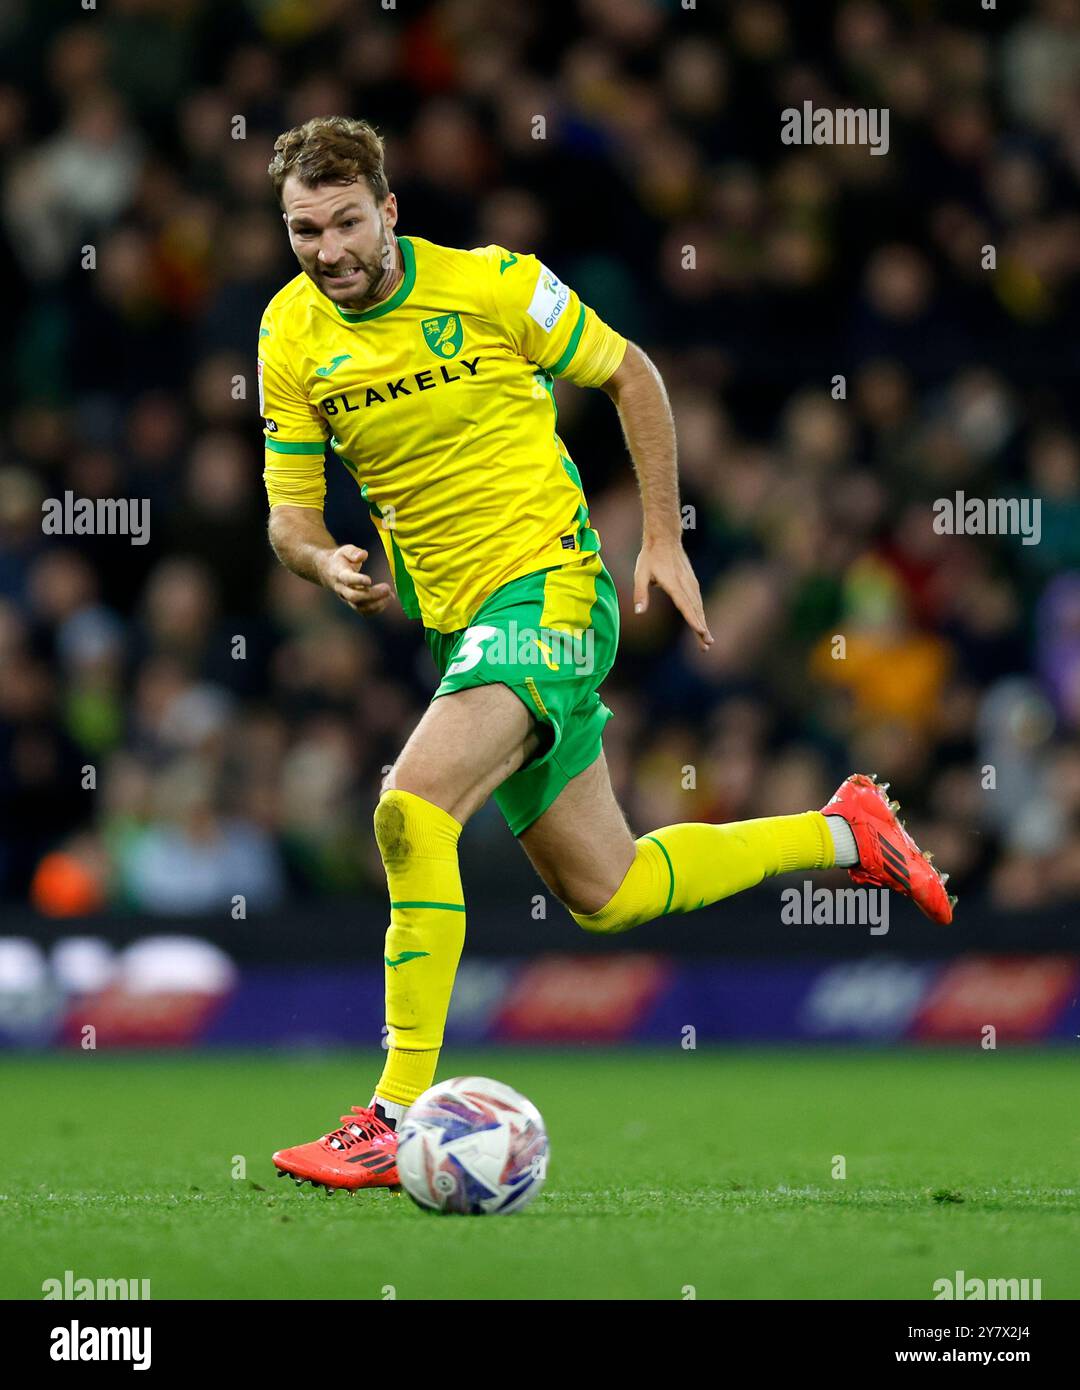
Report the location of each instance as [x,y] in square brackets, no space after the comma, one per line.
[330,149]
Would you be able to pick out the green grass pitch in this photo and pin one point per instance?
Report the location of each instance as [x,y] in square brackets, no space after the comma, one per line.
[708,1170]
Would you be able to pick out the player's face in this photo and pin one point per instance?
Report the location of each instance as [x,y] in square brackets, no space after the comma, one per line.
[342,238]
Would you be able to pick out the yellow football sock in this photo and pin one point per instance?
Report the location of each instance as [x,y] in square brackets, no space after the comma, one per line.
[683,867]
[418,844]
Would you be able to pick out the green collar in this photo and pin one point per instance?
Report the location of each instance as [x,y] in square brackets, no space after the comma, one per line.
[408,257]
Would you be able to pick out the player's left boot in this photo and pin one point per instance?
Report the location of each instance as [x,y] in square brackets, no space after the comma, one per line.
[888,856]
[362,1153]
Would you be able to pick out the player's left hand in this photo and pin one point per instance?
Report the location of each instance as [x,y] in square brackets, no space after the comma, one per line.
[665,564]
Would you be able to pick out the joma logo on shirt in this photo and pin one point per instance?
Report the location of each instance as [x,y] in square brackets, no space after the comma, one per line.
[391,390]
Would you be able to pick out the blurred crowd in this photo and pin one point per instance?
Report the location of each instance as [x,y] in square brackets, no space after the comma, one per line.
[183,722]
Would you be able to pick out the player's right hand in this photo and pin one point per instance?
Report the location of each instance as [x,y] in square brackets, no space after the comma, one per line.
[340,572]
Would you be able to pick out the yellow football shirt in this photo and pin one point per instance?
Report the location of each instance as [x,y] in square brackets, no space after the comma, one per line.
[439,401]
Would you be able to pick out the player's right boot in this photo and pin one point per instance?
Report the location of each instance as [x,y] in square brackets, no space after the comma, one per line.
[888,856]
[362,1153]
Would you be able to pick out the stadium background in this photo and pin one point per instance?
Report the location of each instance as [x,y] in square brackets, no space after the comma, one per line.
[812,516]
[154,1049]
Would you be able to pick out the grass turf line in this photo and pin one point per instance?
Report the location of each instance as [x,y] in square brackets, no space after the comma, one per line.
[709,1169]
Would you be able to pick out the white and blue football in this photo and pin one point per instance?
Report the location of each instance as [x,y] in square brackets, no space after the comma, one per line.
[473,1146]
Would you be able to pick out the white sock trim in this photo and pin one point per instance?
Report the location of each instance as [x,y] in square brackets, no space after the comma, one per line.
[390,1109]
[847,856]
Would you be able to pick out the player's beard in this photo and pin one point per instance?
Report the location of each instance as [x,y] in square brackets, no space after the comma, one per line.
[381,272]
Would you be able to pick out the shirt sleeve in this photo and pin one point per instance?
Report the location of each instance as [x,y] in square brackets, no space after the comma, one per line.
[547,322]
[295,433]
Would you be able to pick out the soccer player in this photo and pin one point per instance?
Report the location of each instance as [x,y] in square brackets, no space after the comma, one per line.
[430,371]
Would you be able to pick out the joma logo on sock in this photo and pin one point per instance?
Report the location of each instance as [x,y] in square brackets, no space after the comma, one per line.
[404,958]
[960,1287]
[808,906]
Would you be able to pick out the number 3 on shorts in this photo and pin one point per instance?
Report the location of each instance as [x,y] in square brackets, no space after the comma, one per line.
[470,651]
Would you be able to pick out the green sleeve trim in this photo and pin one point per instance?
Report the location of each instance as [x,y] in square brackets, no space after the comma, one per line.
[400,295]
[446,907]
[306,446]
[571,347]
[671,871]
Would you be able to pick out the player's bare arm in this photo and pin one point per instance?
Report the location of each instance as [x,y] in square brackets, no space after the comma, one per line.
[304,545]
[638,391]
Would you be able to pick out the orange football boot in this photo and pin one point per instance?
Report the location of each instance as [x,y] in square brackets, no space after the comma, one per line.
[888,856]
[362,1153]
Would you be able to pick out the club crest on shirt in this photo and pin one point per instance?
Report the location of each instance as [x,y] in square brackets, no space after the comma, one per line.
[443,334]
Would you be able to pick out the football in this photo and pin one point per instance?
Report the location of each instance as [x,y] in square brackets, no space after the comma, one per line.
[472,1146]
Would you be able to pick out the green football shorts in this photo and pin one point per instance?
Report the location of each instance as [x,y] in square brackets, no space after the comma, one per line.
[551,638]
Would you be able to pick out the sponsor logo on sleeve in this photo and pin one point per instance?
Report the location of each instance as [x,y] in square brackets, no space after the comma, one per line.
[550,298]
